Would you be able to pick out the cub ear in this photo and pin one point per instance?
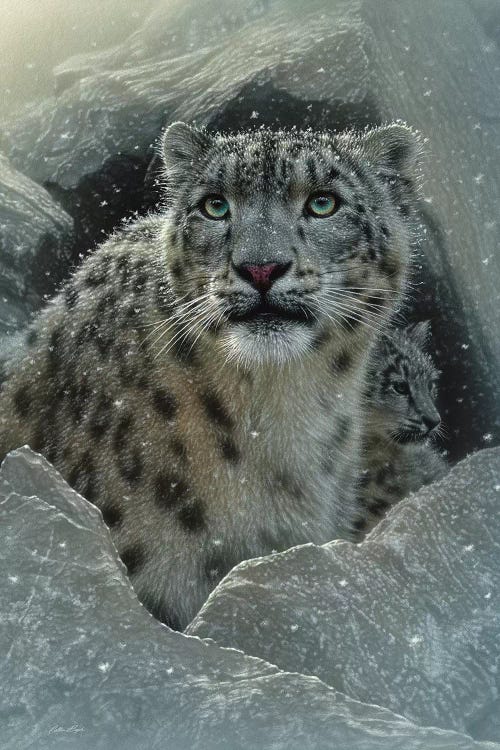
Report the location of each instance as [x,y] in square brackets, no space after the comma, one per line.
[420,333]
[392,149]
[182,146]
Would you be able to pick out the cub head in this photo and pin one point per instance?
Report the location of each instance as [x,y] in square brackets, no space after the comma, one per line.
[404,384]
[275,241]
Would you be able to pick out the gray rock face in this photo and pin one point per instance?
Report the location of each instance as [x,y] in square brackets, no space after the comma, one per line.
[34,232]
[409,618]
[319,64]
[85,666]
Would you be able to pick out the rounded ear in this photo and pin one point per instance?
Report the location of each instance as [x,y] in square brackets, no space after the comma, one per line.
[392,149]
[420,333]
[182,146]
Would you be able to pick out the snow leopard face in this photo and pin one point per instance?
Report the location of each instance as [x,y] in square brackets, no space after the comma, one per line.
[404,384]
[278,240]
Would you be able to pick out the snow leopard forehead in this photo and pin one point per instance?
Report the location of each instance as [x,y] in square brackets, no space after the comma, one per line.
[277,162]
[269,162]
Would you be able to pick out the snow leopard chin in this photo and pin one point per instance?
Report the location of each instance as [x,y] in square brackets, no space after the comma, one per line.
[278,343]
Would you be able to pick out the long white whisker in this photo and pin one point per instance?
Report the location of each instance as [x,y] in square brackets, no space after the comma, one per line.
[204,327]
[349,298]
[183,332]
[347,315]
[369,305]
[356,289]
[362,315]
[175,320]
[323,311]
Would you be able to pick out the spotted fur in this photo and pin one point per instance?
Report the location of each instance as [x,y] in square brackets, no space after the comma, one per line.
[208,419]
[402,420]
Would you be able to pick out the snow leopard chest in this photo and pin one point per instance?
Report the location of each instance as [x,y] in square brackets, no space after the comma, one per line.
[280,470]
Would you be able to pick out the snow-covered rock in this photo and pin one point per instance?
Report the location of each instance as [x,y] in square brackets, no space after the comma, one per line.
[408,619]
[85,666]
[35,232]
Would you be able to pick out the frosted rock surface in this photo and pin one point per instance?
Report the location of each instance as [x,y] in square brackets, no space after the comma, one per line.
[84,666]
[33,233]
[409,619]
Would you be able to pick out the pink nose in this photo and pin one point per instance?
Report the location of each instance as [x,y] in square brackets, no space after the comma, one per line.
[262,277]
[261,274]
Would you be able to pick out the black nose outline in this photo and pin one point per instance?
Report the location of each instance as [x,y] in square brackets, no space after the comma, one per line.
[430,423]
[245,271]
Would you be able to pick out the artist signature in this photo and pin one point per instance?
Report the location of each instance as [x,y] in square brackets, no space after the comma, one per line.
[74,729]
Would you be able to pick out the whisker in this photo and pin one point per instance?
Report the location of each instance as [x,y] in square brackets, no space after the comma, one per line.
[178,317]
[181,333]
[359,291]
[333,294]
[361,315]
[356,289]
[365,303]
[369,309]
[339,269]
[174,324]
[337,320]
[347,314]
[177,338]
[149,325]
[206,325]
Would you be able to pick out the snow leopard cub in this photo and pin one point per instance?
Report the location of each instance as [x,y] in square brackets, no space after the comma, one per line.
[402,419]
[201,377]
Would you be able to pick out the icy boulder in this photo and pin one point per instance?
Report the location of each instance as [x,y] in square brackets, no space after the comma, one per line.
[85,666]
[409,619]
[34,233]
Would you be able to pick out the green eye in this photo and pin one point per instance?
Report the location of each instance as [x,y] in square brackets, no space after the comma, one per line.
[215,207]
[321,205]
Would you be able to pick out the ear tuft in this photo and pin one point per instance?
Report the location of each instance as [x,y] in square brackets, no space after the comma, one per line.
[393,149]
[420,332]
[183,145]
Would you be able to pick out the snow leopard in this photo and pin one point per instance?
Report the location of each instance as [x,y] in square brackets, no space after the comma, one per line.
[402,419]
[200,377]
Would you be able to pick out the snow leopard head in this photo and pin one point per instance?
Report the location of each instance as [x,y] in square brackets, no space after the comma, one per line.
[280,240]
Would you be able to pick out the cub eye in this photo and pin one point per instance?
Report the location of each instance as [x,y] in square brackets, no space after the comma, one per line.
[321,205]
[400,387]
[215,207]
